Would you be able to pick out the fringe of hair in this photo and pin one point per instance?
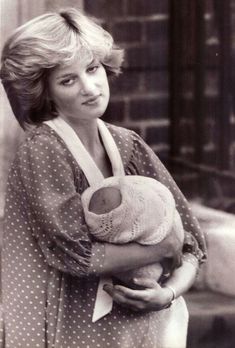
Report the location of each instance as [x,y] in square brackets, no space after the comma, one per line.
[43,43]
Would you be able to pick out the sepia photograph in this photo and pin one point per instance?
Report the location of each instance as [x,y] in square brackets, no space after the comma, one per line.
[117,180]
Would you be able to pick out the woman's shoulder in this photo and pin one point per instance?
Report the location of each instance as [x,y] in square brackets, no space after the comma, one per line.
[118,130]
[41,141]
[131,146]
[123,134]
[129,138]
[123,137]
[41,135]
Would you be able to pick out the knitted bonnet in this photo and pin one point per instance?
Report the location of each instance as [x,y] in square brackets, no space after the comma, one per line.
[146,214]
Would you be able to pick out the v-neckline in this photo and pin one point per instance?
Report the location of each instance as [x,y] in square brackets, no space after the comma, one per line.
[82,156]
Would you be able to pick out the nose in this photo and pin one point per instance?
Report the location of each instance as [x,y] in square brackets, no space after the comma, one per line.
[87,86]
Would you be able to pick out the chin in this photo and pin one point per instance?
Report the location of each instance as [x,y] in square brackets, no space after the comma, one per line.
[99,113]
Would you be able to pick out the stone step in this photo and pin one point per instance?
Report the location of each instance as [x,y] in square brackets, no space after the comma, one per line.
[212,320]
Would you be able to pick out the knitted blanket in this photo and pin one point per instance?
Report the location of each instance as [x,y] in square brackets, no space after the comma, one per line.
[146,214]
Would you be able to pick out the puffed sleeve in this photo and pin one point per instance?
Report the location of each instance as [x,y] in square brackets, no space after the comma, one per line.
[145,162]
[49,189]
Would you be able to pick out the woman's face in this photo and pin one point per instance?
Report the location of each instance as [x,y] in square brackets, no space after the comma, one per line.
[80,91]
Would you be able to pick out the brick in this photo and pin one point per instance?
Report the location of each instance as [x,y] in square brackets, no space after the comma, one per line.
[212,56]
[147,7]
[157,135]
[211,107]
[148,109]
[187,82]
[114,112]
[147,56]
[212,82]
[187,153]
[127,31]
[209,157]
[104,8]
[157,81]
[156,30]
[128,82]
[210,31]
[209,8]
[186,109]
[186,131]
[209,132]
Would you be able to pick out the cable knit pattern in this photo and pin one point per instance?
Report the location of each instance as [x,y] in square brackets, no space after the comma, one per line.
[146,214]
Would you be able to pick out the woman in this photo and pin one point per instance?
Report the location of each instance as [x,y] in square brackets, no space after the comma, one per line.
[54,71]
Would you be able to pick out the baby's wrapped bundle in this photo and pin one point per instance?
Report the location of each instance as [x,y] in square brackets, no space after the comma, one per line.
[132,209]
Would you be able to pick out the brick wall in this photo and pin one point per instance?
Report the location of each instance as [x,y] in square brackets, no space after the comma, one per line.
[205,124]
[139,97]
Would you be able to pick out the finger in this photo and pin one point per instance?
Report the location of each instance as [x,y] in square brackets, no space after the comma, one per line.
[131,299]
[134,305]
[109,289]
[139,295]
[117,293]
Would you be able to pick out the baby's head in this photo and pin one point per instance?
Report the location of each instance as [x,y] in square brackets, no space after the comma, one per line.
[104,200]
[123,209]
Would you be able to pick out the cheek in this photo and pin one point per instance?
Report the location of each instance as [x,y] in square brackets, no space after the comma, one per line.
[105,83]
[103,76]
[64,94]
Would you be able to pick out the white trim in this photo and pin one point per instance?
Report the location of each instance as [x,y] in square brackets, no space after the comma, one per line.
[82,156]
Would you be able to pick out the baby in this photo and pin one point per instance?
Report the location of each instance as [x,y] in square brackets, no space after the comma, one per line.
[132,209]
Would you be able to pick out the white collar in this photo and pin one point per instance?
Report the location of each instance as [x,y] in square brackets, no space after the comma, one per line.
[82,156]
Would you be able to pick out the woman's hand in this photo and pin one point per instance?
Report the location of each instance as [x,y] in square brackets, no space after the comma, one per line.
[152,297]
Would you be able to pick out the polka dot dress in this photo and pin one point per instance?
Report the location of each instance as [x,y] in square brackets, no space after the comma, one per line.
[49,284]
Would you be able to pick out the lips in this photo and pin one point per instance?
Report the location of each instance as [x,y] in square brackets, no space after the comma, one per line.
[91,100]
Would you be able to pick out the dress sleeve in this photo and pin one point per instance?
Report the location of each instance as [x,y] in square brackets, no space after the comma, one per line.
[53,206]
[145,162]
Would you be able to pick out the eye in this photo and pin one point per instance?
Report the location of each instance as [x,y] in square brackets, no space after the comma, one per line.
[93,68]
[68,82]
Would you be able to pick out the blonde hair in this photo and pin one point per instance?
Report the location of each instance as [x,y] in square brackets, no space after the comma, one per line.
[43,43]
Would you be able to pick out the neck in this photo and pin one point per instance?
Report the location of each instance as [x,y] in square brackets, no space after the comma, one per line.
[88,134]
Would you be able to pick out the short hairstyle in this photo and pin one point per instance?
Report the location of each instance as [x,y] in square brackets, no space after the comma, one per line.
[41,44]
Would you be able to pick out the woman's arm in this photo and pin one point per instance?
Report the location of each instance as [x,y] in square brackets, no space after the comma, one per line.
[121,258]
[183,277]
[154,297]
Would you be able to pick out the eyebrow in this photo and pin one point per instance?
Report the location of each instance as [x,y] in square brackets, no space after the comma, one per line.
[66,75]
[72,74]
